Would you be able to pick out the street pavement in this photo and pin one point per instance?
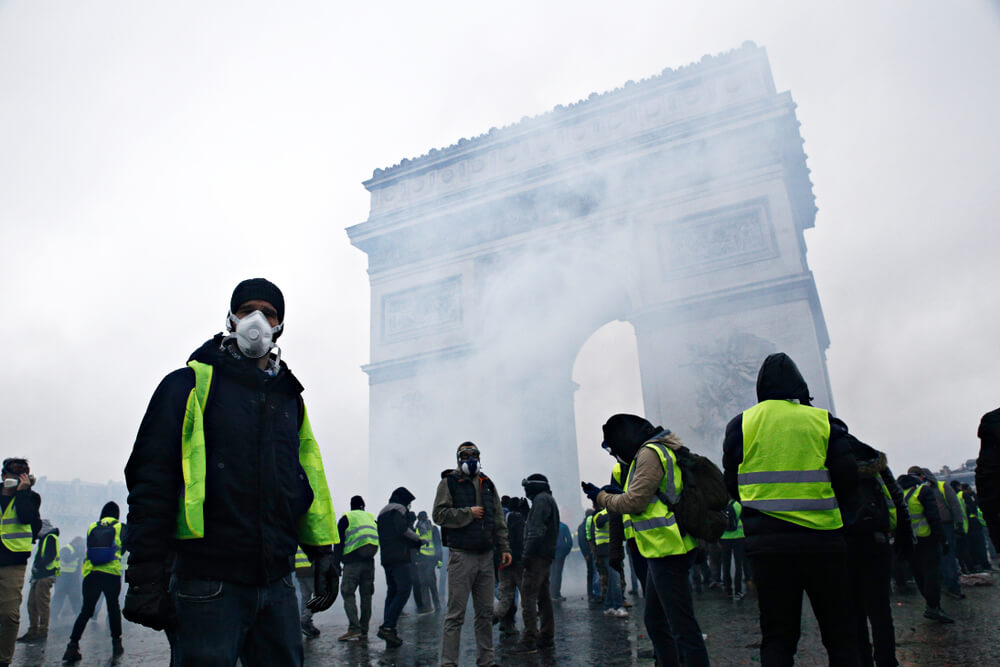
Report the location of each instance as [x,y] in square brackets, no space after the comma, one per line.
[584,636]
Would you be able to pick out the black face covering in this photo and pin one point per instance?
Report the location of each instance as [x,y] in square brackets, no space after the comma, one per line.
[624,434]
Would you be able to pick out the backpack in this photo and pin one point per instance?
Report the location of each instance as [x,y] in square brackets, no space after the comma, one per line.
[700,508]
[101,547]
[732,521]
[869,512]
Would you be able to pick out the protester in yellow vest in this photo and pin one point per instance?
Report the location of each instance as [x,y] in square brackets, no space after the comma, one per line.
[44,570]
[226,481]
[20,522]
[102,575]
[925,519]
[428,560]
[69,584]
[788,463]
[356,551]
[653,480]
[305,577]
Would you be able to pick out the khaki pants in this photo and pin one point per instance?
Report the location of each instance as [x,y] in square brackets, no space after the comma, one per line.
[11,583]
[469,572]
[39,597]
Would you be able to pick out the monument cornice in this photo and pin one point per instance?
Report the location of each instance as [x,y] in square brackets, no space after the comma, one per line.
[407,366]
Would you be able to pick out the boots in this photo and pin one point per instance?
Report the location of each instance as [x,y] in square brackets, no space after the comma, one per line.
[33,635]
[117,650]
[72,653]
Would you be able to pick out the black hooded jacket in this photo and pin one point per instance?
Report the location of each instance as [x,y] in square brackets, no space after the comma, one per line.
[541,528]
[927,495]
[988,473]
[780,379]
[255,489]
[395,536]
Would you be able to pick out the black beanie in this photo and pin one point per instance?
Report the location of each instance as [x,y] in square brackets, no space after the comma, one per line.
[110,509]
[357,503]
[258,289]
[625,433]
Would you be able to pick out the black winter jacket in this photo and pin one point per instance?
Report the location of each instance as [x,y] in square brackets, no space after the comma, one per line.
[927,495]
[395,537]
[541,528]
[255,489]
[988,473]
[779,379]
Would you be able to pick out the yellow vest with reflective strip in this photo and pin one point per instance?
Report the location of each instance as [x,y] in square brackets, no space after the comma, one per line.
[55,567]
[601,534]
[784,473]
[427,548]
[921,526]
[301,559]
[961,501]
[317,527]
[14,535]
[361,530]
[737,533]
[113,566]
[588,529]
[69,565]
[656,531]
[616,474]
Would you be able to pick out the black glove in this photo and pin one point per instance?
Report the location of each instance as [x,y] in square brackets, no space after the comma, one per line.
[611,488]
[590,490]
[147,601]
[327,583]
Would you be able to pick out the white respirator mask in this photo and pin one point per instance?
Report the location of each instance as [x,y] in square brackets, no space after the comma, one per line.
[10,483]
[254,334]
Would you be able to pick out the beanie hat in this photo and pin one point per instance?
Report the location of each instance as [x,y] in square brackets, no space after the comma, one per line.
[110,509]
[260,289]
[357,503]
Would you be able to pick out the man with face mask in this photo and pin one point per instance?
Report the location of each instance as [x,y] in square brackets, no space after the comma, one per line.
[20,525]
[467,507]
[225,481]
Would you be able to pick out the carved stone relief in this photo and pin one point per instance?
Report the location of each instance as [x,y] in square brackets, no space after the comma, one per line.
[422,310]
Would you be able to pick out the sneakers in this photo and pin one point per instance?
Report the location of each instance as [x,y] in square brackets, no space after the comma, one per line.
[424,612]
[349,636]
[309,630]
[390,636]
[610,612]
[739,596]
[621,612]
[938,615]
[72,653]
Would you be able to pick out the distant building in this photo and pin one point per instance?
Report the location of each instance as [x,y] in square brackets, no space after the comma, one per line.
[966,474]
[73,506]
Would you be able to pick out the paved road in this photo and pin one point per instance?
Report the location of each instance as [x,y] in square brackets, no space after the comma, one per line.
[586,637]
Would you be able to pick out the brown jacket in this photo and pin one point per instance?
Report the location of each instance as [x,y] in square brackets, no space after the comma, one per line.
[644,482]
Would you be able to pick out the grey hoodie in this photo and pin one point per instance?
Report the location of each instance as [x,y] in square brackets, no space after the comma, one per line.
[951,509]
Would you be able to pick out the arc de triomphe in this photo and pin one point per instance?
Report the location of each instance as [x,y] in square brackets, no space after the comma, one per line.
[677,203]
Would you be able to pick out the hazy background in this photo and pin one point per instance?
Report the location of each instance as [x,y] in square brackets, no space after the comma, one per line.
[153,154]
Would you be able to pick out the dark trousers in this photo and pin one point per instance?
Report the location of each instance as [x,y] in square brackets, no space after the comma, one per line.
[536,600]
[94,585]
[732,551]
[638,564]
[926,566]
[427,583]
[669,616]
[220,621]
[949,561]
[976,540]
[557,570]
[68,588]
[870,567]
[398,585]
[590,578]
[781,580]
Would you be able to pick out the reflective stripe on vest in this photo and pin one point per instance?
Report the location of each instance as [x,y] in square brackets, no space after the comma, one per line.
[656,531]
[316,527]
[427,549]
[921,526]
[783,473]
[113,566]
[55,567]
[616,475]
[301,559]
[361,530]
[602,534]
[14,535]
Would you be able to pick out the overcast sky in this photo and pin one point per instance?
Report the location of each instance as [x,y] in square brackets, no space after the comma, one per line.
[153,154]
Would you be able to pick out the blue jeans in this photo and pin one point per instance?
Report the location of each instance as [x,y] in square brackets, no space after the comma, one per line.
[220,621]
[397,591]
[949,564]
[669,616]
[614,599]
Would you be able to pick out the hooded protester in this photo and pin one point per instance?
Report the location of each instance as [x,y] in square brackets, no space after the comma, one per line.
[952,518]
[925,518]
[21,523]
[988,473]
[467,507]
[395,540]
[509,578]
[647,452]
[791,467]
[44,571]
[541,531]
[102,575]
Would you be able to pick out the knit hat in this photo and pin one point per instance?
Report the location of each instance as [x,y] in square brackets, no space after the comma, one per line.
[260,289]
[357,503]
[110,509]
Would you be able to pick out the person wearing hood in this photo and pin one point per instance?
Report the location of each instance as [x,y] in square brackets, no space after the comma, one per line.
[875,518]
[428,560]
[102,575]
[541,532]
[925,518]
[509,578]
[225,482]
[467,507]
[21,523]
[791,468]
[564,546]
[988,473]
[654,476]
[396,539]
[952,521]
[68,585]
[44,570]
[356,550]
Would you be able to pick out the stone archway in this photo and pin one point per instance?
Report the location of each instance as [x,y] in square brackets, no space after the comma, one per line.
[677,204]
